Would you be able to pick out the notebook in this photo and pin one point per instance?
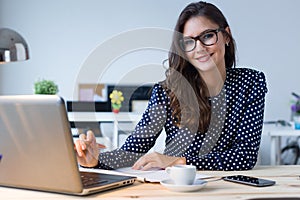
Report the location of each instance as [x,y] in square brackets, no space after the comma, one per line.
[37,149]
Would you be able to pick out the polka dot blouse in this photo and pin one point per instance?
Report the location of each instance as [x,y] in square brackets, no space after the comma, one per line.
[231,142]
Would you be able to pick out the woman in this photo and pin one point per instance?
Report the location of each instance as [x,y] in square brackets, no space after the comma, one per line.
[212,113]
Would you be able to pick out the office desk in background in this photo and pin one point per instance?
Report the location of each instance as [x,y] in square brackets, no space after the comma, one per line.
[286,177]
[276,133]
[106,117]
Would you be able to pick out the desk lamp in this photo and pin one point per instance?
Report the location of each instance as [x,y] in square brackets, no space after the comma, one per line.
[13,47]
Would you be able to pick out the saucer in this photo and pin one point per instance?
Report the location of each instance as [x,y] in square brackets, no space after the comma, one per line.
[169,184]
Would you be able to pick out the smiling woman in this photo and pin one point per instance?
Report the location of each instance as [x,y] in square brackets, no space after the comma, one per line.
[212,112]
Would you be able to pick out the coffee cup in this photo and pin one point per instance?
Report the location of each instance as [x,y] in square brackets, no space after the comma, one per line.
[182,174]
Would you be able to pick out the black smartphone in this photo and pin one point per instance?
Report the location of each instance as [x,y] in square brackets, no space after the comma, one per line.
[249,180]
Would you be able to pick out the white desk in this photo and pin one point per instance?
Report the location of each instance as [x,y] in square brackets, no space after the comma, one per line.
[106,117]
[286,177]
[275,135]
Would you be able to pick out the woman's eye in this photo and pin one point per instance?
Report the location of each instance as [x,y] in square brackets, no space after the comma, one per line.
[207,36]
[188,42]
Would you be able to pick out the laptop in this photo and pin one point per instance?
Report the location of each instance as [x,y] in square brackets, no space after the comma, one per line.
[37,149]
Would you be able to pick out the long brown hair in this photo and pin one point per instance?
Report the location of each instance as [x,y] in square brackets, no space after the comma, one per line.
[187,90]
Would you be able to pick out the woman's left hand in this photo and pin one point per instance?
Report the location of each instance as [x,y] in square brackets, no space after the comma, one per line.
[157,160]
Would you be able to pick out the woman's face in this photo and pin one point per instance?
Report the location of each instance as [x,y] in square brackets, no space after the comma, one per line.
[205,58]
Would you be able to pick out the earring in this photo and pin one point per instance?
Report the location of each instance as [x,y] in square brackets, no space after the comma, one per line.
[227,44]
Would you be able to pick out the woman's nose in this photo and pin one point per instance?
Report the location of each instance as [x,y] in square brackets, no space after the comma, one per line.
[199,46]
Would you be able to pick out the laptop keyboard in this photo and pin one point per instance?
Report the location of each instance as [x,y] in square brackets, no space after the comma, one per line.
[91,179]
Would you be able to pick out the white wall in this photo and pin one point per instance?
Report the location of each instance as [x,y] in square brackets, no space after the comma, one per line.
[63,34]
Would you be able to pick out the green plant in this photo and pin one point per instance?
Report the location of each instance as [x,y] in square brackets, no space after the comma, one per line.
[45,87]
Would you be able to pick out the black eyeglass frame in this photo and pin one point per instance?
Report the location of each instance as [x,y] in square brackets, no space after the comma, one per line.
[215,31]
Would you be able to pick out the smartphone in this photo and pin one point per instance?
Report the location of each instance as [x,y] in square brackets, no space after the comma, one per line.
[249,180]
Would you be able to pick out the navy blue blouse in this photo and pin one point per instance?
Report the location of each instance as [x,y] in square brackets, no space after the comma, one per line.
[231,142]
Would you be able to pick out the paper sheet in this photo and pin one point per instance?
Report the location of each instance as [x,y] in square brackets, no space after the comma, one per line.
[154,176]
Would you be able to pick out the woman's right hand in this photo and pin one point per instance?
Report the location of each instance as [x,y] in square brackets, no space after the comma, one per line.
[87,149]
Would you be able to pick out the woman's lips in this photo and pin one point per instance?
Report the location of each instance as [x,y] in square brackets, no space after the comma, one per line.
[204,58]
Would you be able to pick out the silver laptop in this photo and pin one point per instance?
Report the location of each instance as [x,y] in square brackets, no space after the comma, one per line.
[37,149]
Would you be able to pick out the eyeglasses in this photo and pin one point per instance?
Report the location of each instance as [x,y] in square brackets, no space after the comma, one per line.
[207,38]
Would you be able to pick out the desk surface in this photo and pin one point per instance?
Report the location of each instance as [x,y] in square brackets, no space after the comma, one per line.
[272,130]
[286,177]
[104,116]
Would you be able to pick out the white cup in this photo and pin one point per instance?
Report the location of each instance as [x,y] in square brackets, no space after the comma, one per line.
[182,174]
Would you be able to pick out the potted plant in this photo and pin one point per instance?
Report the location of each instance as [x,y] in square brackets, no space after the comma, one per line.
[45,87]
[116,98]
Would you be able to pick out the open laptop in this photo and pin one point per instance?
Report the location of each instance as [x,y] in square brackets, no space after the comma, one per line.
[37,149]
